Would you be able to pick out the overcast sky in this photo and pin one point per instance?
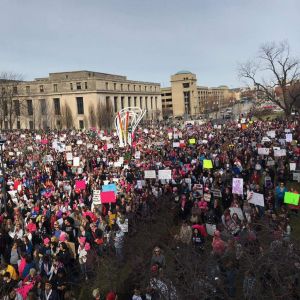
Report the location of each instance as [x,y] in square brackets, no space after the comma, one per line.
[144,40]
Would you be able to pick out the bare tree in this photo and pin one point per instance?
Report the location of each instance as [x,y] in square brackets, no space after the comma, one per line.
[92,116]
[67,117]
[10,104]
[279,72]
[104,115]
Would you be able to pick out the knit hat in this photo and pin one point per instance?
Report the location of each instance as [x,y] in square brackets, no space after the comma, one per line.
[111,296]
[46,241]
[82,240]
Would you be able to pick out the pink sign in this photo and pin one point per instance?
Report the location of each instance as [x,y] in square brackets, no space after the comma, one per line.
[80,184]
[108,197]
[44,142]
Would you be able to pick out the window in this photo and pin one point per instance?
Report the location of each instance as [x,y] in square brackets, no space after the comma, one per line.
[15,90]
[129,101]
[122,102]
[56,102]
[156,103]
[80,108]
[31,125]
[106,85]
[5,124]
[145,88]
[17,107]
[134,99]
[128,87]
[140,87]
[81,124]
[29,108]
[41,89]
[43,106]
[18,124]
[115,86]
[150,88]
[54,88]
[78,85]
[146,103]
[107,100]
[27,89]
[86,85]
[141,102]
[45,124]
[134,87]
[151,102]
[71,86]
[116,104]
[121,86]
[58,124]
[186,85]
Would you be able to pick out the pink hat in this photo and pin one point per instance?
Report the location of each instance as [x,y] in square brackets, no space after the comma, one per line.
[82,240]
[46,241]
[111,296]
[217,233]
[63,237]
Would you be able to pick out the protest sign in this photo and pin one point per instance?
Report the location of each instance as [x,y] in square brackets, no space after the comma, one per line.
[192,141]
[287,130]
[69,156]
[80,184]
[170,135]
[288,137]
[44,142]
[165,174]
[263,151]
[110,146]
[95,147]
[257,199]
[291,198]
[38,137]
[279,153]
[207,164]
[76,161]
[108,197]
[238,211]
[296,176]
[271,134]
[237,186]
[137,155]
[68,148]
[96,197]
[216,192]
[176,145]
[210,229]
[150,174]
[109,187]
[117,164]
[79,142]
[292,166]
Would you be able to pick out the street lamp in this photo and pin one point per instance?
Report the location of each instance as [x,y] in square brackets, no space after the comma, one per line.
[2,142]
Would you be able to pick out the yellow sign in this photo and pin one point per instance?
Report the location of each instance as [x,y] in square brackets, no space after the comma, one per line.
[207,164]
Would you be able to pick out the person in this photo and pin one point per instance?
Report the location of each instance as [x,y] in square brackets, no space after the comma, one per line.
[111,296]
[197,240]
[185,233]
[48,293]
[158,258]
[7,284]
[96,294]
[279,195]
[83,249]
[249,286]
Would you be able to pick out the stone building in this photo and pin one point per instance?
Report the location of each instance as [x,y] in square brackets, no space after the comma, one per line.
[185,98]
[79,99]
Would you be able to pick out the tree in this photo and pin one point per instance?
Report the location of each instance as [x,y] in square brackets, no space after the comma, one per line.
[279,72]
[104,115]
[67,117]
[10,104]
[92,116]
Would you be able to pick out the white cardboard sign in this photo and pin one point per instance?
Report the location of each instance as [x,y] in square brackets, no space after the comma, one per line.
[165,174]
[257,199]
[263,151]
[150,174]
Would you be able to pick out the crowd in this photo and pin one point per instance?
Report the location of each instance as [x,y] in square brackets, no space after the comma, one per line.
[53,221]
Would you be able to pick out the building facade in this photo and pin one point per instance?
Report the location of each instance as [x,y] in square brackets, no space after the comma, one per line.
[80,99]
[185,98]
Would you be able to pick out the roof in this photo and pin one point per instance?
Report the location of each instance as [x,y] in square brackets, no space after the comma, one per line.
[183,72]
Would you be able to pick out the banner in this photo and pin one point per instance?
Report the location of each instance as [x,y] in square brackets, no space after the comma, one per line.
[165,174]
[207,164]
[257,199]
[291,198]
[237,186]
[150,174]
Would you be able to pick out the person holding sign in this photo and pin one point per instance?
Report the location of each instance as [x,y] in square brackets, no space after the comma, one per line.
[279,194]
